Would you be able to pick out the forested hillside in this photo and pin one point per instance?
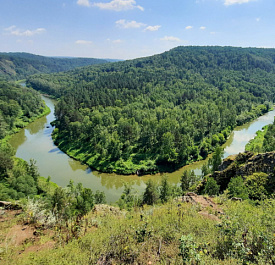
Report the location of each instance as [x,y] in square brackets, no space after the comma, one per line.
[18,106]
[160,112]
[16,66]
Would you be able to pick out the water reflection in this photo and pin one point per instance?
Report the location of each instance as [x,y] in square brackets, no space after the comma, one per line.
[35,142]
[54,150]
[76,165]
[19,140]
[37,126]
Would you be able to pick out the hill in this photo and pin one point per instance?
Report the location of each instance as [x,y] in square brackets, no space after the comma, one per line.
[18,106]
[173,233]
[160,112]
[16,66]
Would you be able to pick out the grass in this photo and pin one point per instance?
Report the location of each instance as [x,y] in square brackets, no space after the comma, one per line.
[150,235]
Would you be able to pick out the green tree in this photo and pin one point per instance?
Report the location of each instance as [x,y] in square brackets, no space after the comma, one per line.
[211,188]
[127,199]
[165,189]
[237,188]
[217,158]
[150,195]
[256,186]
[100,197]
[187,180]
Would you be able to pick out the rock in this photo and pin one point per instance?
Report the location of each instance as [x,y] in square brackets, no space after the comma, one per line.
[235,199]
[243,164]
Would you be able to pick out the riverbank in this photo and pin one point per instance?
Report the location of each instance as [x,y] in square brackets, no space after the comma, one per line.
[256,144]
[35,142]
[146,166]
[24,124]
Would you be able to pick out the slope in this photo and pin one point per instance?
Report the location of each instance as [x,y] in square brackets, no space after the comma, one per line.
[16,66]
[160,112]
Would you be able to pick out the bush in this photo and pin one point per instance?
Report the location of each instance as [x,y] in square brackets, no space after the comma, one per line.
[211,187]
[237,188]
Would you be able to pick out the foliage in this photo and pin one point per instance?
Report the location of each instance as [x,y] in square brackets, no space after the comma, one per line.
[19,180]
[216,158]
[187,180]
[161,112]
[211,188]
[269,139]
[248,233]
[206,168]
[237,188]
[256,144]
[150,195]
[165,190]
[100,197]
[188,250]
[172,233]
[257,185]
[16,66]
[18,106]
[128,199]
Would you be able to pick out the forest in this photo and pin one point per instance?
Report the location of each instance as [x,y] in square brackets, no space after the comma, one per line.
[161,112]
[18,106]
[143,126]
[17,66]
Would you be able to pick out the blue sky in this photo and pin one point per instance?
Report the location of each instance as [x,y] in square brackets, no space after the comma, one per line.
[126,29]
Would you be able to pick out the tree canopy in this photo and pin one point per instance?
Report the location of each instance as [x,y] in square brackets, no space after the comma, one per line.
[160,112]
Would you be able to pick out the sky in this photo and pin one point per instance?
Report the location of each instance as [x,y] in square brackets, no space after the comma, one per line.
[127,29]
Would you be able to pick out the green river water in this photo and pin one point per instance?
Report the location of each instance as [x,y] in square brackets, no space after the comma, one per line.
[35,142]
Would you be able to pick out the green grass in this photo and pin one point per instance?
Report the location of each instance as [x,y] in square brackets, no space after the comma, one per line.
[150,235]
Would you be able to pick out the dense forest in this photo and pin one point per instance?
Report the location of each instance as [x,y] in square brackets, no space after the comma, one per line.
[145,118]
[20,179]
[18,106]
[16,66]
[160,112]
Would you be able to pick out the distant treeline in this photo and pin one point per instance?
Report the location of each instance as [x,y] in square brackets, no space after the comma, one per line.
[16,66]
[160,112]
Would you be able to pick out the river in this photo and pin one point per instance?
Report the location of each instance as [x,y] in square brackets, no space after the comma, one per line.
[35,142]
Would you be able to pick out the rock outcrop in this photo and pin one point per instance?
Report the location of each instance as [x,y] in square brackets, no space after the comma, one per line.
[243,164]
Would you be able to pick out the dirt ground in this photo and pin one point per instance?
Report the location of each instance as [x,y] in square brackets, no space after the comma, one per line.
[20,236]
[208,208]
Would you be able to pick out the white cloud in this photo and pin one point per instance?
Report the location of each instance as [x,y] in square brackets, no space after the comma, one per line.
[189,27]
[153,28]
[258,19]
[83,42]
[170,38]
[202,28]
[122,23]
[116,41]
[10,28]
[213,32]
[13,30]
[117,5]
[232,2]
[84,3]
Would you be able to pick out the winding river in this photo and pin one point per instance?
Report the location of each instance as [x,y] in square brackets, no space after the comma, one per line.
[34,142]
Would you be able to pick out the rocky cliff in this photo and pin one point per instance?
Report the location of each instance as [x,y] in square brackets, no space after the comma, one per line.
[243,164]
